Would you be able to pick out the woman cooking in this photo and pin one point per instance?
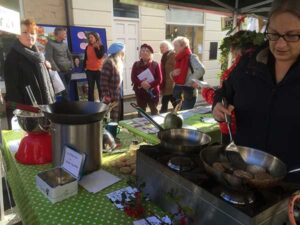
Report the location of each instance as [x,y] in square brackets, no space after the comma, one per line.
[263,90]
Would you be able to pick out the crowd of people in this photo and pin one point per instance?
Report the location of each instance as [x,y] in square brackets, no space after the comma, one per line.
[172,77]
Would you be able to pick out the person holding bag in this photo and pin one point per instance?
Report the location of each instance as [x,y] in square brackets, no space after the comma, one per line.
[187,68]
[146,91]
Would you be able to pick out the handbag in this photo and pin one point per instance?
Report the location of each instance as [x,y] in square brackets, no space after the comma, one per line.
[58,84]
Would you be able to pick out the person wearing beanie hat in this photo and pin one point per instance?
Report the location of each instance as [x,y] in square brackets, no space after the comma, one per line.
[92,63]
[111,79]
[115,48]
[146,91]
[263,89]
[148,47]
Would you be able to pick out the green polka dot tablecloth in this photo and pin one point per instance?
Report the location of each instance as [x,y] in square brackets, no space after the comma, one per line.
[83,209]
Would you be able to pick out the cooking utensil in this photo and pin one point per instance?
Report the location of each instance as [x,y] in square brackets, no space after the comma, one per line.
[77,124]
[35,147]
[109,142]
[232,150]
[180,141]
[28,108]
[291,209]
[32,122]
[110,108]
[275,167]
[31,96]
[178,106]
[75,112]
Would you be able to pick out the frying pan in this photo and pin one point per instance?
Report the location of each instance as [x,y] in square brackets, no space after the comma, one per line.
[275,167]
[179,141]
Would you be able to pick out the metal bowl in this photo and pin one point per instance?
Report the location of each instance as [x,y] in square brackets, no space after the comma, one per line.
[275,167]
[32,122]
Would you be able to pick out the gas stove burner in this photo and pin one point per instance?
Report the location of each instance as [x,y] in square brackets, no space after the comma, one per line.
[180,163]
[238,198]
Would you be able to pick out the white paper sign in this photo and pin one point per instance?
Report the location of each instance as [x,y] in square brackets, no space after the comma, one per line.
[98,180]
[9,21]
[146,75]
[72,161]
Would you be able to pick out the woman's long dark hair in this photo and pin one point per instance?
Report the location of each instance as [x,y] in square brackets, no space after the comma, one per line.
[96,35]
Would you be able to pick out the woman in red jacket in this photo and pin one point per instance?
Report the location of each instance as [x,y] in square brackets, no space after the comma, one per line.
[147,92]
[237,52]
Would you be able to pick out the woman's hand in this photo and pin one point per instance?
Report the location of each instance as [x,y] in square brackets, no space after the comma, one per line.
[48,65]
[145,85]
[220,110]
[96,44]
[176,72]
[106,99]
[195,85]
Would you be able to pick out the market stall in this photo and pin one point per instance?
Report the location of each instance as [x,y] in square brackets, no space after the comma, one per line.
[84,208]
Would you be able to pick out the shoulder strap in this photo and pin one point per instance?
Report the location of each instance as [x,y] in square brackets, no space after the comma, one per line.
[190,64]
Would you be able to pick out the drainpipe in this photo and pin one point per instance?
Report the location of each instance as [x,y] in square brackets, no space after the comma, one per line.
[67,12]
[235,13]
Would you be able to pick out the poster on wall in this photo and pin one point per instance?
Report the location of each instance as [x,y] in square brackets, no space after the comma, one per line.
[9,21]
[79,37]
[78,63]
[46,32]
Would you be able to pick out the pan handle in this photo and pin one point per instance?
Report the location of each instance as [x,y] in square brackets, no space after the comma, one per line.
[146,116]
[291,207]
[227,118]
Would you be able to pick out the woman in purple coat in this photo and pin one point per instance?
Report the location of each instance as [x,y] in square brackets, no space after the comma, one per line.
[147,93]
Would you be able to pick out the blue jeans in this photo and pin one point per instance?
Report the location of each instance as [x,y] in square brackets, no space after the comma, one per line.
[188,95]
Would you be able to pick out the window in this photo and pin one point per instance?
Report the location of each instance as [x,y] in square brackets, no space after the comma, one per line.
[7,40]
[193,33]
[182,16]
[125,10]
[187,23]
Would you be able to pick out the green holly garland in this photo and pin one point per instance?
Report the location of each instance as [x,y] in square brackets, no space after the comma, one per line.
[239,40]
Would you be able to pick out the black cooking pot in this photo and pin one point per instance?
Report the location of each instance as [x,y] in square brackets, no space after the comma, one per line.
[75,112]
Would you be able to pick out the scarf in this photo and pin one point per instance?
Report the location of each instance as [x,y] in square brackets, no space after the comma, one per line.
[149,65]
[46,90]
[182,63]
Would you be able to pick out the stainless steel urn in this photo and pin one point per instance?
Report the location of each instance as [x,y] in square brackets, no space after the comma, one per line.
[87,138]
[78,124]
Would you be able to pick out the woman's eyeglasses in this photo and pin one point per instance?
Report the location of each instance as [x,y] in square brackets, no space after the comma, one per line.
[286,37]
